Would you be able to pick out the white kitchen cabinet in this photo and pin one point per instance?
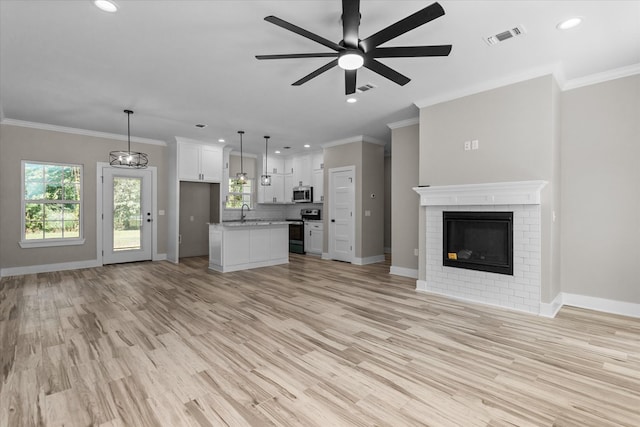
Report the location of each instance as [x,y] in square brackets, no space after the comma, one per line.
[313,235]
[317,160]
[288,188]
[301,170]
[199,162]
[318,185]
[240,247]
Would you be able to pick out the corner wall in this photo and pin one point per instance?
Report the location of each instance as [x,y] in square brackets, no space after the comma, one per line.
[516,131]
[21,143]
[600,175]
[405,203]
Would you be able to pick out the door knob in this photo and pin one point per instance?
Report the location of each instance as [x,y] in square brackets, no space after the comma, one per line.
[333,220]
[149,220]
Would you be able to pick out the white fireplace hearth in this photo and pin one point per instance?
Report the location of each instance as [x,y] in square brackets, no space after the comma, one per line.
[520,291]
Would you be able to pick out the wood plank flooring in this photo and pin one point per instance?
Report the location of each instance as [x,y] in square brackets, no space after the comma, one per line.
[312,343]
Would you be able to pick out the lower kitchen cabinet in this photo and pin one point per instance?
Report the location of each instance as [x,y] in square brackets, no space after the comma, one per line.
[313,235]
[244,246]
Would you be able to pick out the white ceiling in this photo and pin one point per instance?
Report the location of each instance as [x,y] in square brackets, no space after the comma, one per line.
[179,63]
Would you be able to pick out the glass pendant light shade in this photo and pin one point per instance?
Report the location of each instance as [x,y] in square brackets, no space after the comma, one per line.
[241,177]
[128,159]
[265,179]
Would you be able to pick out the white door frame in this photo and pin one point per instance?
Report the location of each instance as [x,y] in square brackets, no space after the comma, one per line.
[99,209]
[352,227]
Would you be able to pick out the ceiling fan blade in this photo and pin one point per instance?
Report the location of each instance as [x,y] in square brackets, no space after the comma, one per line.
[298,55]
[349,82]
[304,33]
[419,18]
[384,71]
[316,73]
[410,51]
[350,22]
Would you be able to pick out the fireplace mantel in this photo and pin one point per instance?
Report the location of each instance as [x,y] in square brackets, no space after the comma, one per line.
[499,193]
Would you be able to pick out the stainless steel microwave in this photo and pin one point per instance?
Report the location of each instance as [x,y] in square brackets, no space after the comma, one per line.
[303,194]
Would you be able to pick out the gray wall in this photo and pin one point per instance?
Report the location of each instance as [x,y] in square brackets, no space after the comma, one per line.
[21,143]
[601,190]
[195,213]
[405,202]
[387,203]
[368,160]
[516,126]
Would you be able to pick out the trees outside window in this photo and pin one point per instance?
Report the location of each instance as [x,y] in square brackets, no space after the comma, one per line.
[51,201]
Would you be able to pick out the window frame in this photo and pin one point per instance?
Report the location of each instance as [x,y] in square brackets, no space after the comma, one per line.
[65,241]
[249,193]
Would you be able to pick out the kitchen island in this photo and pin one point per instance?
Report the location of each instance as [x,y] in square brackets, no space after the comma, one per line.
[241,245]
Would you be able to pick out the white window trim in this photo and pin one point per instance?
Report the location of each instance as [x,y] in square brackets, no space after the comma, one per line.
[43,243]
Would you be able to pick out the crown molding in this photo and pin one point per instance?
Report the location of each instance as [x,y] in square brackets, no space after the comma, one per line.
[200,142]
[84,132]
[404,123]
[533,73]
[552,69]
[358,138]
[605,76]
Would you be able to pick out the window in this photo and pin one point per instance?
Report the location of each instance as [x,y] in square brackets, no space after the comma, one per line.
[239,194]
[51,204]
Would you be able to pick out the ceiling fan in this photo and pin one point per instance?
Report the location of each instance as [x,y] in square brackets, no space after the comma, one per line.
[352,52]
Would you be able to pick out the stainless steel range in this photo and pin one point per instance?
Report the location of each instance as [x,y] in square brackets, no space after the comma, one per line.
[296,229]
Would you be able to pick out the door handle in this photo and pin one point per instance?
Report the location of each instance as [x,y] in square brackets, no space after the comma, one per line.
[149,220]
[333,220]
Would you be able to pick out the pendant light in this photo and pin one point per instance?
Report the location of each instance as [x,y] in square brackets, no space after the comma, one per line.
[241,177]
[128,159]
[266,178]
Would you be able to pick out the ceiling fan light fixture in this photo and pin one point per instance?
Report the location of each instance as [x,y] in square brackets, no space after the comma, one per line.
[106,5]
[350,59]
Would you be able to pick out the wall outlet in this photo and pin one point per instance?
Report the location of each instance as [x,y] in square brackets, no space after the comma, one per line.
[161,212]
[467,145]
[367,213]
[415,252]
[475,144]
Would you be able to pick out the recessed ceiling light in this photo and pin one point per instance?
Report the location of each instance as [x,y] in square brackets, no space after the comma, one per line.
[106,5]
[221,140]
[569,23]
[277,151]
[352,100]
[306,146]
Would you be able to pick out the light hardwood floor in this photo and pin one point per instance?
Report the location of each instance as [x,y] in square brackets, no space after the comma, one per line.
[312,343]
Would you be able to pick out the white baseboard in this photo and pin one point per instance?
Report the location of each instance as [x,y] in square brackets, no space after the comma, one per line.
[368,260]
[601,304]
[325,255]
[46,268]
[552,308]
[405,272]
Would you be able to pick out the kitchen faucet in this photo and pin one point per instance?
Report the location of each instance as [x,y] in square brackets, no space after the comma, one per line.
[242,214]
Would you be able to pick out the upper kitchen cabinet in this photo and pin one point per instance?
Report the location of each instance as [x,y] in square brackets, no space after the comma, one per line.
[199,162]
[301,170]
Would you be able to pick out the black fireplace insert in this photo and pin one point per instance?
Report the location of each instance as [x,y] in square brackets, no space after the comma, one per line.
[478,241]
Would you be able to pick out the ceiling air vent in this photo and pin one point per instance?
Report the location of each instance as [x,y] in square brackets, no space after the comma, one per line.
[505,35]
[365,87]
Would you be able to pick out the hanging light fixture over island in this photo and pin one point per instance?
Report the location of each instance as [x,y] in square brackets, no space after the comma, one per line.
[265,179]
[241,177]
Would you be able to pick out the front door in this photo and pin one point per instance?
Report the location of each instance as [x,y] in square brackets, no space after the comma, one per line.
[127,217]
[341,211]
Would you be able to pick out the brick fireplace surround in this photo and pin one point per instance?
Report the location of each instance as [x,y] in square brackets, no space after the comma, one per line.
[521,291]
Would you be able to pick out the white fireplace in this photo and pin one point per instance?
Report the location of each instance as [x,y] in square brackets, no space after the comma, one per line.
[519,291]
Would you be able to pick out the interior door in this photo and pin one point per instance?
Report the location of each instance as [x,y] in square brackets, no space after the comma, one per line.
[341,211]
[127,215]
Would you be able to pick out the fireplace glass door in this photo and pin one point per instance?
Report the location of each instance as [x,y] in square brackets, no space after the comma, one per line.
[478,241]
